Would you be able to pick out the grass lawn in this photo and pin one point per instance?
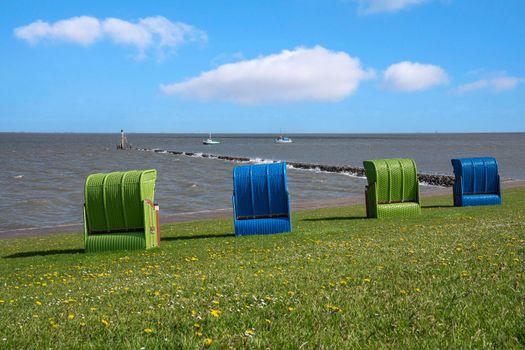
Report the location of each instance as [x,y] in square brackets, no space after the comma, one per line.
[453,277]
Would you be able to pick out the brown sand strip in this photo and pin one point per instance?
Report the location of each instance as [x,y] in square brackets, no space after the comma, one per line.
[426,191]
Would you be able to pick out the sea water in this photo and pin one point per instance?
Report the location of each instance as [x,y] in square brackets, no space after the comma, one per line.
[42,175]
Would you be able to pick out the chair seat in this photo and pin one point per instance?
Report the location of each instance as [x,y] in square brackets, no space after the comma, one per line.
[407,209]
[262,226]
[480,199]
[115,241]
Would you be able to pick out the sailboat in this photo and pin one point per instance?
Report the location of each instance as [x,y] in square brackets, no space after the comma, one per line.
[210,141]
[283,139]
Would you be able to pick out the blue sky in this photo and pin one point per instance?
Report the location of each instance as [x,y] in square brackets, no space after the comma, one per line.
[262,66]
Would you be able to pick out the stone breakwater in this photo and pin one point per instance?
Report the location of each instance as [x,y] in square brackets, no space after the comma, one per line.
[427,179]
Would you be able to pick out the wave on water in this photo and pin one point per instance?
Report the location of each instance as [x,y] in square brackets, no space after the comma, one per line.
[194,155]
[316,168]
[258,160]
[356,172]
[320,170]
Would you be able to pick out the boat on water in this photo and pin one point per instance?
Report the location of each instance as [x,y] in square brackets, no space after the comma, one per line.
[283,139]
[210,141]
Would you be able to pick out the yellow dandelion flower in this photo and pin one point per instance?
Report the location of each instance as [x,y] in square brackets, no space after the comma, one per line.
[157,293]
[38,302]
[333,308]
[403,292]
[290,309]
[71,316]
[291,293]
[268,321]
[208,341]
[418,290]
[82,324]
[194,258]
[196,325]
[464,274]
[367,280]
[93,309]
[198,333]
[215,312]
[194,313]
[148,330]
[249,332]
[104,322]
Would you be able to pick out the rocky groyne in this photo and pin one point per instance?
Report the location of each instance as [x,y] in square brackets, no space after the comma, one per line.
[427,179]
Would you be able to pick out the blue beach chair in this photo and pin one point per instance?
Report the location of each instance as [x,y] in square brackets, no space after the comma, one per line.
[261,203]
[477,182]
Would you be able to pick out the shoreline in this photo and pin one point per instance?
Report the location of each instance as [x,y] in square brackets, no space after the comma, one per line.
[224,213]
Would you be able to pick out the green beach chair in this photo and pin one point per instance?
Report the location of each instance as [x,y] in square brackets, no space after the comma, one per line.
[119,213]
[393,188]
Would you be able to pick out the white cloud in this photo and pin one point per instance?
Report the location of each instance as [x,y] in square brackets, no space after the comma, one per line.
[150,32]
[476,85]
[302,74]
[504,83]
[496,84]
[126,33]
[375,6]
[413,76]
[83,30]
[172,34]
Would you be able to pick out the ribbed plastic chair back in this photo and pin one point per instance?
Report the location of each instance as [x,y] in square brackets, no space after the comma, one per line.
[478,175]
[113,201]
[260,190]
[395,178]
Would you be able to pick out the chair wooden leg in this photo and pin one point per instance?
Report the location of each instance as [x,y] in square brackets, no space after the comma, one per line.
[366,201]
[158,224]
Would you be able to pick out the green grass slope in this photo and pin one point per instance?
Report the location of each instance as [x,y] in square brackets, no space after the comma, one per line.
[453,277]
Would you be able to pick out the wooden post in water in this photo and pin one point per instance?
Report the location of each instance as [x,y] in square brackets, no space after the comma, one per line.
[123,141]
[122,136]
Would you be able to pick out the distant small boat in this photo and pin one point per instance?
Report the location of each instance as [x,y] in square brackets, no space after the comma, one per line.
[210,141]
[283,139]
